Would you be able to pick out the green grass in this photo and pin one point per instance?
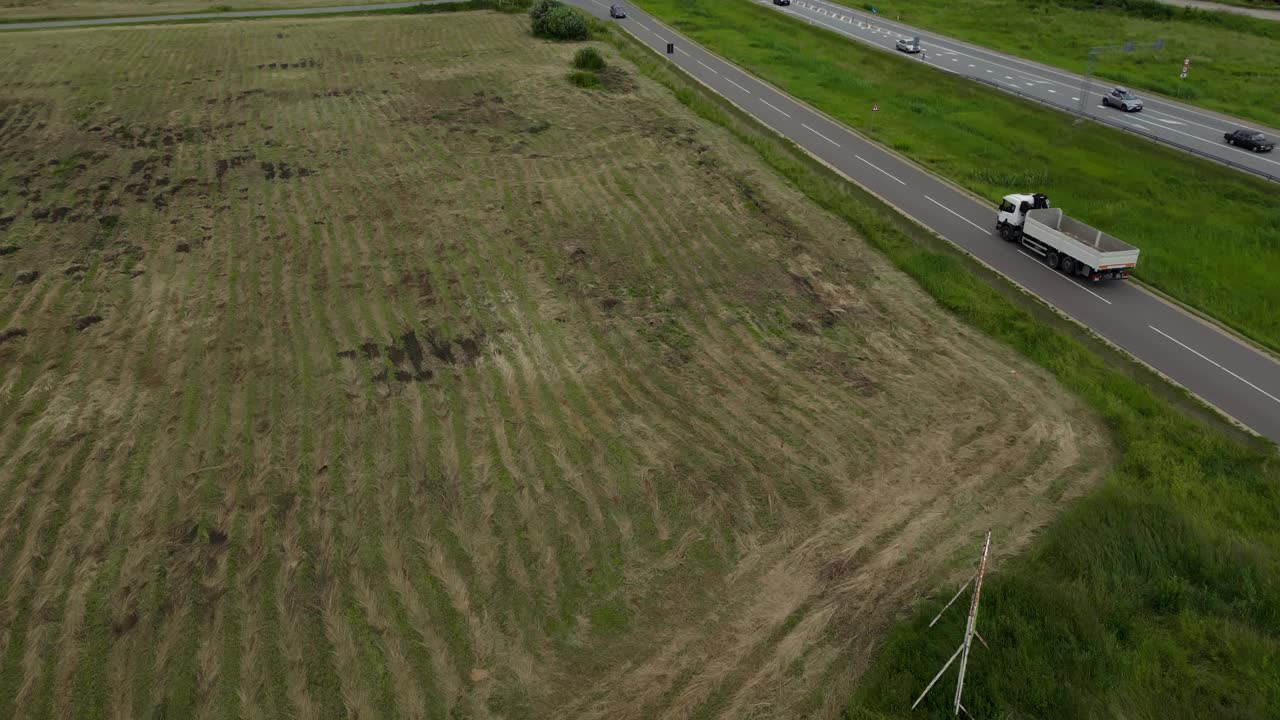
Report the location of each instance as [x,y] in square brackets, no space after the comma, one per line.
[1233,67]
[1209,236]
[1158,595]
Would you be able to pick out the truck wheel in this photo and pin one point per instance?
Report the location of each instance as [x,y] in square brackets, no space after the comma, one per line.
[1068,266]
[1052,259]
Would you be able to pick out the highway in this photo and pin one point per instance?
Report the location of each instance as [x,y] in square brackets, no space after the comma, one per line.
[1240,381]
[1192,129]
[1237,379]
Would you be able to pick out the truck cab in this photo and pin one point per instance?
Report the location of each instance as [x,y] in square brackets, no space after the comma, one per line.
[1013,212]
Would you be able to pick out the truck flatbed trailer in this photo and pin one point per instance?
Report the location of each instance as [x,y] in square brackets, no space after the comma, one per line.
[1077,240]
[1065,243]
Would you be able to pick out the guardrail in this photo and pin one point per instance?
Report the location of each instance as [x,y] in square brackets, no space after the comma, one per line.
[1118,126]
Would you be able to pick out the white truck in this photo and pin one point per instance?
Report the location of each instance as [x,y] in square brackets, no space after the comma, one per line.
[1065,243]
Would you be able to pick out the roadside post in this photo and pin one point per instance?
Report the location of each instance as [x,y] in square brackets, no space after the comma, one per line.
[875,108]
[1128,47]
[1186,67]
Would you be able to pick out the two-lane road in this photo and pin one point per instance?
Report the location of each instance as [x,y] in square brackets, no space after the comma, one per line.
[1234,377]
[1192,129]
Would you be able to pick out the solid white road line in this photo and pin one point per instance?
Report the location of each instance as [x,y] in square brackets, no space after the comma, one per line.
[708,67]
[953,212]
[1213,363]
[1040,262]
[880,169]
[766,102]
[739,87]
[824,137]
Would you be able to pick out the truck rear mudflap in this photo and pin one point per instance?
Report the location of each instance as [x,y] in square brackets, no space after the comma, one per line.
[1109,274]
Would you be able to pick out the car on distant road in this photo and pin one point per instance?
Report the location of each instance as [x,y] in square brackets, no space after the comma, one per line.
[908,45]
[1121,98]
[781,2]
[616,11]
[1250,140]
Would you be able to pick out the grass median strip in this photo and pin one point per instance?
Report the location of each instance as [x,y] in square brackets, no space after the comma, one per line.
[1158,594]
[1209,235]
[1233,68]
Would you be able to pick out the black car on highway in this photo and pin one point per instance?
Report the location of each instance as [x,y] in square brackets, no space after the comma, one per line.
[1250,140]
[616,11]
[781,2]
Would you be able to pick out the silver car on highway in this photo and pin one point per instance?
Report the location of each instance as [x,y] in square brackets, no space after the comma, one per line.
[908,45]
[1123,99]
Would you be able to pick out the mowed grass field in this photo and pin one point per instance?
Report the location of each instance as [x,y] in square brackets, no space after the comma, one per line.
[25,10]
[371,369]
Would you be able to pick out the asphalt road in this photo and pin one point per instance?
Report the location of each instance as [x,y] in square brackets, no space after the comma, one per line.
[1224,372]
[1192,129]
[1235,378]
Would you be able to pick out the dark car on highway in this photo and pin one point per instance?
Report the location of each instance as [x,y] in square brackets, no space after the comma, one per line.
[781,2]
[1250,140]
[616,11]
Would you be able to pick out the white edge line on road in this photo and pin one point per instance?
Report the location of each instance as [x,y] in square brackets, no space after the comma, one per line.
[766,102]
[1214,142]
[878,168]
[1214,363]
[739,86]
[953,212]
[1068,280]
[708,67]
[824,137]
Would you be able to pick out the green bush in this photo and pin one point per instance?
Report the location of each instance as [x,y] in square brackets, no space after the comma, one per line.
[588,58]
[540,10]
[560,23]
[584,79]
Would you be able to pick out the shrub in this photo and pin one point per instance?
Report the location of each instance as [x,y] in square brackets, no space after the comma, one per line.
[561,23]
[588,58]
[540,10]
